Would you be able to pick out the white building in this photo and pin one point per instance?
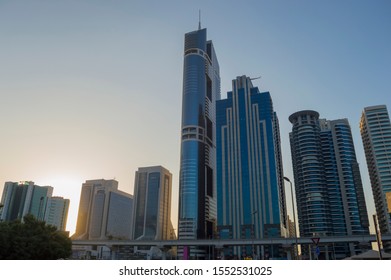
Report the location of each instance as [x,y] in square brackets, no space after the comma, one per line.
[56,213]
[375,130]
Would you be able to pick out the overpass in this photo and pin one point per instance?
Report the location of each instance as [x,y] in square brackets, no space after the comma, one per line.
[220,243]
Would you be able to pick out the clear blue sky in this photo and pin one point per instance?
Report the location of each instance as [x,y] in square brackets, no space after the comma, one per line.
[92,89]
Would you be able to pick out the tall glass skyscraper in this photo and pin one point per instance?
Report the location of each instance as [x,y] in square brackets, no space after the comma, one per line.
[330,197]
[375,130]
[152,204]
[250,190]
[197,183]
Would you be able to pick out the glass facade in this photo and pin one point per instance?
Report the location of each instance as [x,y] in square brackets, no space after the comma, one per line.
[375,130]
[151,215]
[249,169]
[20,199]
[201,89]
[97,213]
[118,224]
[329,191]
[152,209]
[313,207]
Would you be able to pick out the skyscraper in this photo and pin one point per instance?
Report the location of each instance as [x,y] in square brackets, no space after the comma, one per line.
[152,204]
[56,213]
[104,211]
[375,130]
[197,182]
[20,199]
[330,197]
[250,193]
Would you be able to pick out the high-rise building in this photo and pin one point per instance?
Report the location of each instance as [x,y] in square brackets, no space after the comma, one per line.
[197,182]
[329,192]
[20,199]
[250,193]
[104,211]
[152,204]
[56,213]
[375,130]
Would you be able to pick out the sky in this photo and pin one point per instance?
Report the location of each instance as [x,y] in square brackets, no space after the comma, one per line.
[92,89]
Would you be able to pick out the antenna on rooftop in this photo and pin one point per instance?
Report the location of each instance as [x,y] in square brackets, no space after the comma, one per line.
[256,78]
[199,19]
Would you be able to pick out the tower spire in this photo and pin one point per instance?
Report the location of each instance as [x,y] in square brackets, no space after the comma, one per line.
[199,19]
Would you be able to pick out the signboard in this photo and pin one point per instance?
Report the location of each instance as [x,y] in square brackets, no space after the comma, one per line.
[315,240]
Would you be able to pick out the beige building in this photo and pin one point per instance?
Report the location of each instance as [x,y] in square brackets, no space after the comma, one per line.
[104,211]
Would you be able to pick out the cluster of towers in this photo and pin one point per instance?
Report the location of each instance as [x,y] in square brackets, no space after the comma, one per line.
[108,213]
[231,181]
[23,198]
[231,173]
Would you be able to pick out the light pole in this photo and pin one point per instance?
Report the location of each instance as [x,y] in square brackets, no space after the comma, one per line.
[253,232]
[377,237]
[294,216]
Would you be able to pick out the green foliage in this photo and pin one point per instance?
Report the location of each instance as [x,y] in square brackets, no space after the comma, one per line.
[32,240]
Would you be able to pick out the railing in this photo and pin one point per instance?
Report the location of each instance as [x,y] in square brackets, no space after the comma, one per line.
[233,242]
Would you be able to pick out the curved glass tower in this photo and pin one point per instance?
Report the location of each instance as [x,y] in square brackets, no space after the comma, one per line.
[311,190]
[201,89]
[329,191]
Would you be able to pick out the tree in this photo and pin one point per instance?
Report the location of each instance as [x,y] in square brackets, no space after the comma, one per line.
[32,240]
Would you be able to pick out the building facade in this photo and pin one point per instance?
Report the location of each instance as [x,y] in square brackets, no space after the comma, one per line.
[152,204]
[375,130]
[250,190]
[56,213]
[329,192]
[104,211]
[20,199]
[197,183]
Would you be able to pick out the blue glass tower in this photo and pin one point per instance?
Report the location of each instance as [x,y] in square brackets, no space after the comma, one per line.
[250,194]
[201,89]
[329,191]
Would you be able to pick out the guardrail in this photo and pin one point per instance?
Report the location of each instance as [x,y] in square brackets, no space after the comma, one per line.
[233,242]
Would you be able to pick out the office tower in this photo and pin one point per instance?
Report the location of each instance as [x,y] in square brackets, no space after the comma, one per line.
[197,189]
[329,192]
[56,213]
[375,130]
[152,204]
[104,211]
[250,194]
[20,199]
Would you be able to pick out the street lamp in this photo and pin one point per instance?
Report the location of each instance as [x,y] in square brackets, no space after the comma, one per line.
[378,240]
[253,232]
[294,216]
